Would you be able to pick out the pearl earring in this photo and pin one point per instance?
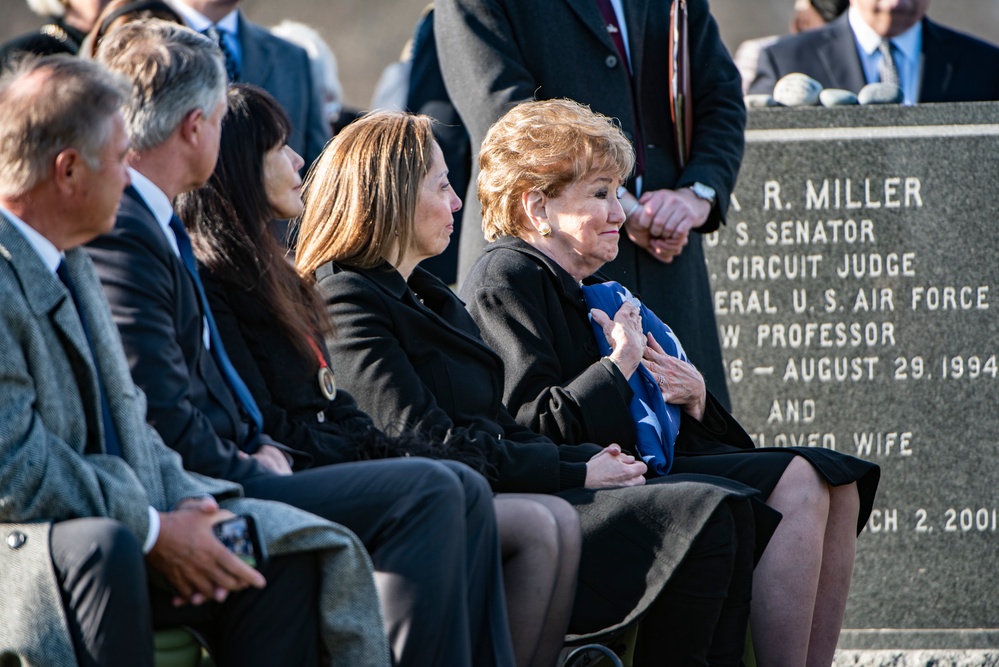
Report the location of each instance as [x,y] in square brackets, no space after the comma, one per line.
[545,229]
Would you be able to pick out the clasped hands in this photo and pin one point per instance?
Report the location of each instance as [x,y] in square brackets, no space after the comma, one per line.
[662,220]
[680,383]
[193,560]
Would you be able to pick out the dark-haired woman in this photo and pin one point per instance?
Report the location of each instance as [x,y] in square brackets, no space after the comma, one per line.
[273,325]
[677,554]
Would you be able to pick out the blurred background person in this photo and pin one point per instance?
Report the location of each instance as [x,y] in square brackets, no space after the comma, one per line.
[68,22]
[887,41]
[325,71]
[807,15]
[254,55]
[119,12]
[428,95]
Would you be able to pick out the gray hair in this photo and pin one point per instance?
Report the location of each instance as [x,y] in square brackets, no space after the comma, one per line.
[173,71]
[47,7]
[48,105]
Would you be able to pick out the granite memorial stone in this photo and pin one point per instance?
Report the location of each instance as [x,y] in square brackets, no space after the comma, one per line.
[856,288]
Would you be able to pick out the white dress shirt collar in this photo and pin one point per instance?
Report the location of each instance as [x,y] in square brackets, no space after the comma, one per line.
[197,21]
[908,52]
[162,209]
[48,253]
[909,42]
[158,203]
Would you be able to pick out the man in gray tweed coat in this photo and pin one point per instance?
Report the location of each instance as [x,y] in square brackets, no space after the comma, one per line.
[90,494]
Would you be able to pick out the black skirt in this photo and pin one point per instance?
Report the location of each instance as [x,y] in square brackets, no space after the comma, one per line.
[762,468]
[634,539]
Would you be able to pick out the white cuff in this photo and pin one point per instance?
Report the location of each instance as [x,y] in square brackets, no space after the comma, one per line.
[154,531]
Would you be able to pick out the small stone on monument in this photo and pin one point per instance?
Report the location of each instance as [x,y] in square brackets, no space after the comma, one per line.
[759,101]
[797,90]
[880,93]
[837,97]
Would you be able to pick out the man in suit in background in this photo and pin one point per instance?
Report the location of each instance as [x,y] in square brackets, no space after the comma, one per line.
[429,525]
[75,446]
[254,55]
[887,41]
[806,15]
[614,56]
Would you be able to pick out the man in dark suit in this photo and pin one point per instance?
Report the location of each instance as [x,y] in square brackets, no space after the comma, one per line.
[429,526]
[95,494]
[929,62]
[254,55]
[495,53]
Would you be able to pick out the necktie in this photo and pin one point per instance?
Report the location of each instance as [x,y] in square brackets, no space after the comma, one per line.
[112,445]
[236,384]
[887,69]
[231,64]
[614,29]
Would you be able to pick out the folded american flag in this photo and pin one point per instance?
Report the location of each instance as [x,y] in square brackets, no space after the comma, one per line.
[657,422]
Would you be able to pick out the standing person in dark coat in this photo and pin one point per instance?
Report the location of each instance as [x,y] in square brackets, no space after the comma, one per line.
[496,53]
[428,95]
[932,63]
[429,526]
[377,203]
[547,185]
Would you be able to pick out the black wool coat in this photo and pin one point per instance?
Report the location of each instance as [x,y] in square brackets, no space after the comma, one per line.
[412,358]
[284,383]
[533,313]
[497,53]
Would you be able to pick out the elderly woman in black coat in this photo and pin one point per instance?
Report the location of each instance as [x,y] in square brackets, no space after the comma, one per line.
[677,552]
[551,209]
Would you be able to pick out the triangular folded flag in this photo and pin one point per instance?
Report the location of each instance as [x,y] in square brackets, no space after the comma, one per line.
[656,422]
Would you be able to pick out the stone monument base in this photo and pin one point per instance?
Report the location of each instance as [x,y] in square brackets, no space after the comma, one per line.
[937,658]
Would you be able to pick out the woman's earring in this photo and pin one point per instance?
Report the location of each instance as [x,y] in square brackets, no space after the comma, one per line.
[545,229]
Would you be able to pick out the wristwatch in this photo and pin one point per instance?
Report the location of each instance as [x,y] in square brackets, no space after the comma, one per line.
[705,192]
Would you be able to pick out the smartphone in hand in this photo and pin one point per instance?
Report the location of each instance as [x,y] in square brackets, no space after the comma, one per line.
[241,536]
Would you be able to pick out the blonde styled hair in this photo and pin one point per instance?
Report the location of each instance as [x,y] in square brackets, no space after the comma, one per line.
[360,196]
[544,146]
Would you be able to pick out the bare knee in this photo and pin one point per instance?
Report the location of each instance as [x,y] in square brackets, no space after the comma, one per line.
[801,491]
[844,501]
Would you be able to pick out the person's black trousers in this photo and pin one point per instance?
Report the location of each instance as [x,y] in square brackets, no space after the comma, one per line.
[111,609]
[425,523]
